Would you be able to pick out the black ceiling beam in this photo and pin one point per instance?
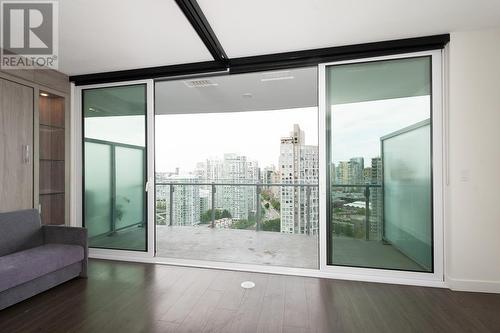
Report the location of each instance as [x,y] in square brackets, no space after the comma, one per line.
[195,16]
[273,61]
[339,53]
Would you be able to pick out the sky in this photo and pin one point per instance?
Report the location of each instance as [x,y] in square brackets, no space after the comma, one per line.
[183,140]
[193,138]
[358,127]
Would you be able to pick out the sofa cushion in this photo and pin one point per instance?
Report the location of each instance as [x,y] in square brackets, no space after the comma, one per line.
[19,231]
[20,267]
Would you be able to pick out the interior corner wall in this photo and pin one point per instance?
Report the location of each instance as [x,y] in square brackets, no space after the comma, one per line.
[473,193]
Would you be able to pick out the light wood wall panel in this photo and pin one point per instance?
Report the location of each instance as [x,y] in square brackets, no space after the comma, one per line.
[16,146]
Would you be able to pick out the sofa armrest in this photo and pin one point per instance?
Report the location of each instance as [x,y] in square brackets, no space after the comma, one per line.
[68,235]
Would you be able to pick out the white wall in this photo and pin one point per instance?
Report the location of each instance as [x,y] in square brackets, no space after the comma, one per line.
[473,193]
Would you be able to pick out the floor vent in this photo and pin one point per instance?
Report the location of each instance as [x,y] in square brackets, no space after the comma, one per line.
[247,284]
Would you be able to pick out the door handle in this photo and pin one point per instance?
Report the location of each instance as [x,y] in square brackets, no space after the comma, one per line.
[26,154]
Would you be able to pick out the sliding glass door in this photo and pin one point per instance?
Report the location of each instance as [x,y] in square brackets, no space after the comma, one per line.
[379,163]
[237,169]
[254,169]
[114,141]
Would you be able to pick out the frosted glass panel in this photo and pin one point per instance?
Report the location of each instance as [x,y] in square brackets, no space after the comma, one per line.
[408,192]
[98,194]
[114,163]
[130,194]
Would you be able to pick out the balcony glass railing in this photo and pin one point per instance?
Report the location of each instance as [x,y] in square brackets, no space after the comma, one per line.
[257,223]
[115,201]
[254,202]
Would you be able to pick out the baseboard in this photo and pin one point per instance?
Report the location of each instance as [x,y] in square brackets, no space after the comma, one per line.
[482,286]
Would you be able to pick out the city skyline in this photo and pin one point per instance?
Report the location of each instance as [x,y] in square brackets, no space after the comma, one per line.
[293,208]
[255,134]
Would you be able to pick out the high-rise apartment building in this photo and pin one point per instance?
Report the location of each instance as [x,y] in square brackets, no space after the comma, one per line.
[252,177]
[350,172]
[342,173]
[376,198]
[376,170]
[271,176]
[239,200]
[298,164]
[356,170]
[185,200]
[367,175]
[205,200]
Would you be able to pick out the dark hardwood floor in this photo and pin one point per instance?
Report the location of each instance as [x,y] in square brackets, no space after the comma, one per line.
[129,297]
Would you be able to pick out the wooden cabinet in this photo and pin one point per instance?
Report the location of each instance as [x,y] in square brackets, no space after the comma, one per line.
[16,146]
[34,143]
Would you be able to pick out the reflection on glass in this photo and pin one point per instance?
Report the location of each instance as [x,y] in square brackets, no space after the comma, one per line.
[380,164]
[114,167]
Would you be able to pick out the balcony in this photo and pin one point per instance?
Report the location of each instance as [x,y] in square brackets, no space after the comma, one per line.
[356,226]
[238,222]
[257,232]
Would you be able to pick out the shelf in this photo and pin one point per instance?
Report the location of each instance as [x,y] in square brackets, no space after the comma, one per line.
[52,126]
[51,192]
[52,138]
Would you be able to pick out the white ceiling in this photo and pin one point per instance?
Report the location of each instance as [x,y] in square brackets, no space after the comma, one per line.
[272,90]
[256,27]
[108,35]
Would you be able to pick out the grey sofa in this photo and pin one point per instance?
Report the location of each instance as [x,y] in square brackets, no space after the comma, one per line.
[34,258]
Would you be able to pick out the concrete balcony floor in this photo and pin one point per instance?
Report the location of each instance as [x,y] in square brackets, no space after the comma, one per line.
[261,248]
[240,246]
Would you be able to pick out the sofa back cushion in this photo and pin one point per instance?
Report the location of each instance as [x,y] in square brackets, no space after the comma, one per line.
[19,230]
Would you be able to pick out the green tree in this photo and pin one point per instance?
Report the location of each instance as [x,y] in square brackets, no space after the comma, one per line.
[242,224]
[206,217]
[272,225]
[276,204]
[225,214]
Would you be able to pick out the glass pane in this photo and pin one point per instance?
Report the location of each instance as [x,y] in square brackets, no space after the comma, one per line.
[240,183]
[114,162]
[407,192]
[380,199]
[130,195]
[98,194]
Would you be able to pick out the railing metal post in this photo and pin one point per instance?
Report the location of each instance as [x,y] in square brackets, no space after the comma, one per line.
[171,206]
[308,210]
[114,214]
[367,212]
[213,206]
[257,203]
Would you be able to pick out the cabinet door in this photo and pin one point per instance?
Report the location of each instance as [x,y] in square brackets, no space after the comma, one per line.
[16,146]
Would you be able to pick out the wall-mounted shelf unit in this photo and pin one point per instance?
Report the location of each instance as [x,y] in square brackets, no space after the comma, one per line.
[52,133]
